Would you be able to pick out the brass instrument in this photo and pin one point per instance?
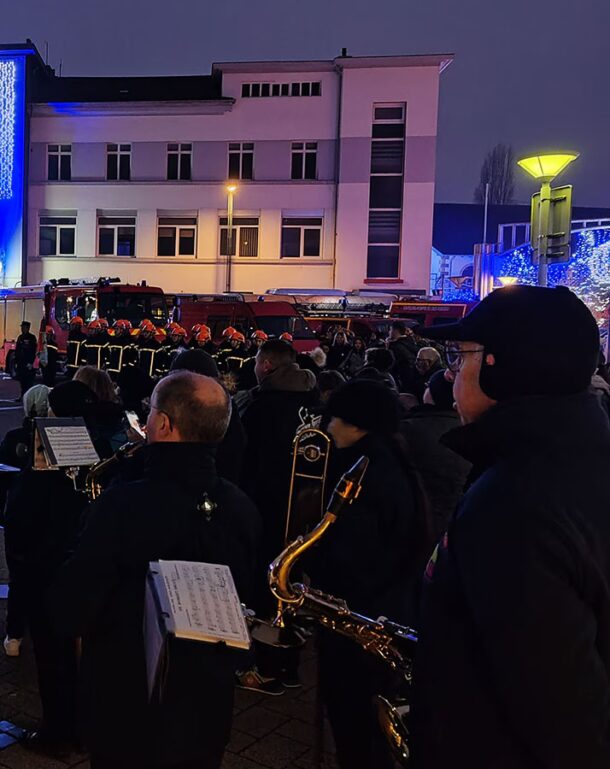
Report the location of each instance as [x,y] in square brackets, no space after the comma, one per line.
[392,643]
[310,455]
[93,481]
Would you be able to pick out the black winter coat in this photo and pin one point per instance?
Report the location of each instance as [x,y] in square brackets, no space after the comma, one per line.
[443,472]
[513,663]
[372,555]
[99,595]
[405,352]
[337,355]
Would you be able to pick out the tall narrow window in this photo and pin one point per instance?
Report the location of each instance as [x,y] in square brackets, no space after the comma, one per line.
[241,160]
[57,235]
[176,236]
[301,237]
[179,161]
[386,191]
[116,236]
[244,238]
[59,162]
[304,160]
[118,162]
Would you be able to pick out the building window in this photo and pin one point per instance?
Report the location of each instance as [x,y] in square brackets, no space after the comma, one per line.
[386,191]
[244,240]
[179,162]
[116,236]
[57,235]
[241,160]
[176,236]
[301,237]
[255,90]
[118,162]
[59,162]
[304,160]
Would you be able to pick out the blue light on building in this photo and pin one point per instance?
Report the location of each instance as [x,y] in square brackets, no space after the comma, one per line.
[12,157]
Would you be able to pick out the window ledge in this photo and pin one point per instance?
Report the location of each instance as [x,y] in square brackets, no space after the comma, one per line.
[393,281]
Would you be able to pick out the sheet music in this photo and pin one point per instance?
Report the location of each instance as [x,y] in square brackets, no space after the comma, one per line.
[203,602]
[71,445]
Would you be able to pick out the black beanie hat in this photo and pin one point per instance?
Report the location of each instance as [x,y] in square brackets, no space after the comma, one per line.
[72,399]
[545,341]
[441,390]
[196,361]
[366,404]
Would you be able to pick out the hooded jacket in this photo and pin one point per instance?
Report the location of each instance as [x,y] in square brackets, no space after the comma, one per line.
[513,662]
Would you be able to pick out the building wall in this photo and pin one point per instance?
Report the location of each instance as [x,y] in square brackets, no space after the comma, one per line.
[272,124]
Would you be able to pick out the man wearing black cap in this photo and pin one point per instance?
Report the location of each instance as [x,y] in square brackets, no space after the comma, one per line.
[25,355]
[513,664]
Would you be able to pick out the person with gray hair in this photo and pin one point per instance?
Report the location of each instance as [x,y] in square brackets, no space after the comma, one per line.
[179,510]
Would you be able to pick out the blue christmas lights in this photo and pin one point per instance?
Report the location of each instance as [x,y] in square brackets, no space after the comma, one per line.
[587,273]
[8,79]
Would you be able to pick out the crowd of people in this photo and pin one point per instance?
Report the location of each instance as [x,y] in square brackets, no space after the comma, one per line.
[482,523]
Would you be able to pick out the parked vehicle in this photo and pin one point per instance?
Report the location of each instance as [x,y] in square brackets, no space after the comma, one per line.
[429,312]
[57,302]
[246,313]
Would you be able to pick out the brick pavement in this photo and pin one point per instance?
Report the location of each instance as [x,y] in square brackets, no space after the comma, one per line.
[268,732]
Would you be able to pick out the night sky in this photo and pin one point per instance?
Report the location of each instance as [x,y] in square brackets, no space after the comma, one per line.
[532,73]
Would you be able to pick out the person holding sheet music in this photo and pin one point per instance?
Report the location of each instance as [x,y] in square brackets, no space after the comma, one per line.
[99,595]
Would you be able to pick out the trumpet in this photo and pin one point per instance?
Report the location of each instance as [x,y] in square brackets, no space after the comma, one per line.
[93,481]
[392,643]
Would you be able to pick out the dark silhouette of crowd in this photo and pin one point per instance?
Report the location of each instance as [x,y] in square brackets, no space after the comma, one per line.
[482,523]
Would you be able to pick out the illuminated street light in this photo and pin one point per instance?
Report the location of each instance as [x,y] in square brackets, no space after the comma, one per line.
[550,222]
[231,190]
[546,167]
[507,280]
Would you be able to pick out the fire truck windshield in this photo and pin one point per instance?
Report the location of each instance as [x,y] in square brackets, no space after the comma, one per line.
[133,307]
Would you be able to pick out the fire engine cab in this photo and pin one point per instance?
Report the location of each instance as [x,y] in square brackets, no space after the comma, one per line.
[57,302]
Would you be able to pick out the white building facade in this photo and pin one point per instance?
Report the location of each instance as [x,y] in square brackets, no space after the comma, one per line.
[333,164]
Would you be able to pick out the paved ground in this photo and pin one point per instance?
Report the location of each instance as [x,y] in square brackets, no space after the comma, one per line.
[268,732]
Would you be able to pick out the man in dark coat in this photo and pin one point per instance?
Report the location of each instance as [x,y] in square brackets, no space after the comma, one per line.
[99,594]
[404,347]
[513,664]
[443,472]
[25,355]
[373,558]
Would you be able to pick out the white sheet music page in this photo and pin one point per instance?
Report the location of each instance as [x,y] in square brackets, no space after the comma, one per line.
[203,603]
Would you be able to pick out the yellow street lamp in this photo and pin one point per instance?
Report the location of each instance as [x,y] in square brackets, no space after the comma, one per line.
[231,190]
[507,280]
[546,167]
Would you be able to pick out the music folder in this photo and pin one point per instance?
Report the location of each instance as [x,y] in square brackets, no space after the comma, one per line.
[64,442]
[189,601]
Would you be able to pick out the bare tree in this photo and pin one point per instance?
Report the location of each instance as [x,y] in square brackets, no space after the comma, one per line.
[497,170]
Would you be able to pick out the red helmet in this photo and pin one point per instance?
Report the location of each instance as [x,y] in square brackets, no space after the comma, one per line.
[77,321]
[147,325]
[103,323]
[228,332]
[196,329]
[124,325]
[286,337]
[177,330]
[236,336]
[94,325]
[259,334]
[171,326]
[203,336]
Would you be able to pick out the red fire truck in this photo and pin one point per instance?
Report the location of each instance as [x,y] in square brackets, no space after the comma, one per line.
[246,313]
[429,312]
[55,303]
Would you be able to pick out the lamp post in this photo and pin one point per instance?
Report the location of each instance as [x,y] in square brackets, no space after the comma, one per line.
[544,168]
[231,190]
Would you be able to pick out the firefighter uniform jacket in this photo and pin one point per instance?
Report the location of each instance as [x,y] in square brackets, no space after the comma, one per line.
[73,349]
[121,353]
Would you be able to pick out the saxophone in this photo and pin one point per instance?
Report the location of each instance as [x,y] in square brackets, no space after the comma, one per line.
[392,643]
[93,482]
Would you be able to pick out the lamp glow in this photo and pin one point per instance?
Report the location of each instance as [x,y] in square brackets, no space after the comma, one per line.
[507,280]
[546,167]
[231,187]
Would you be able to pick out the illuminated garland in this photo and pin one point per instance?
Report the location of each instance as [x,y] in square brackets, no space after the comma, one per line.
[587,273]
[8,76]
